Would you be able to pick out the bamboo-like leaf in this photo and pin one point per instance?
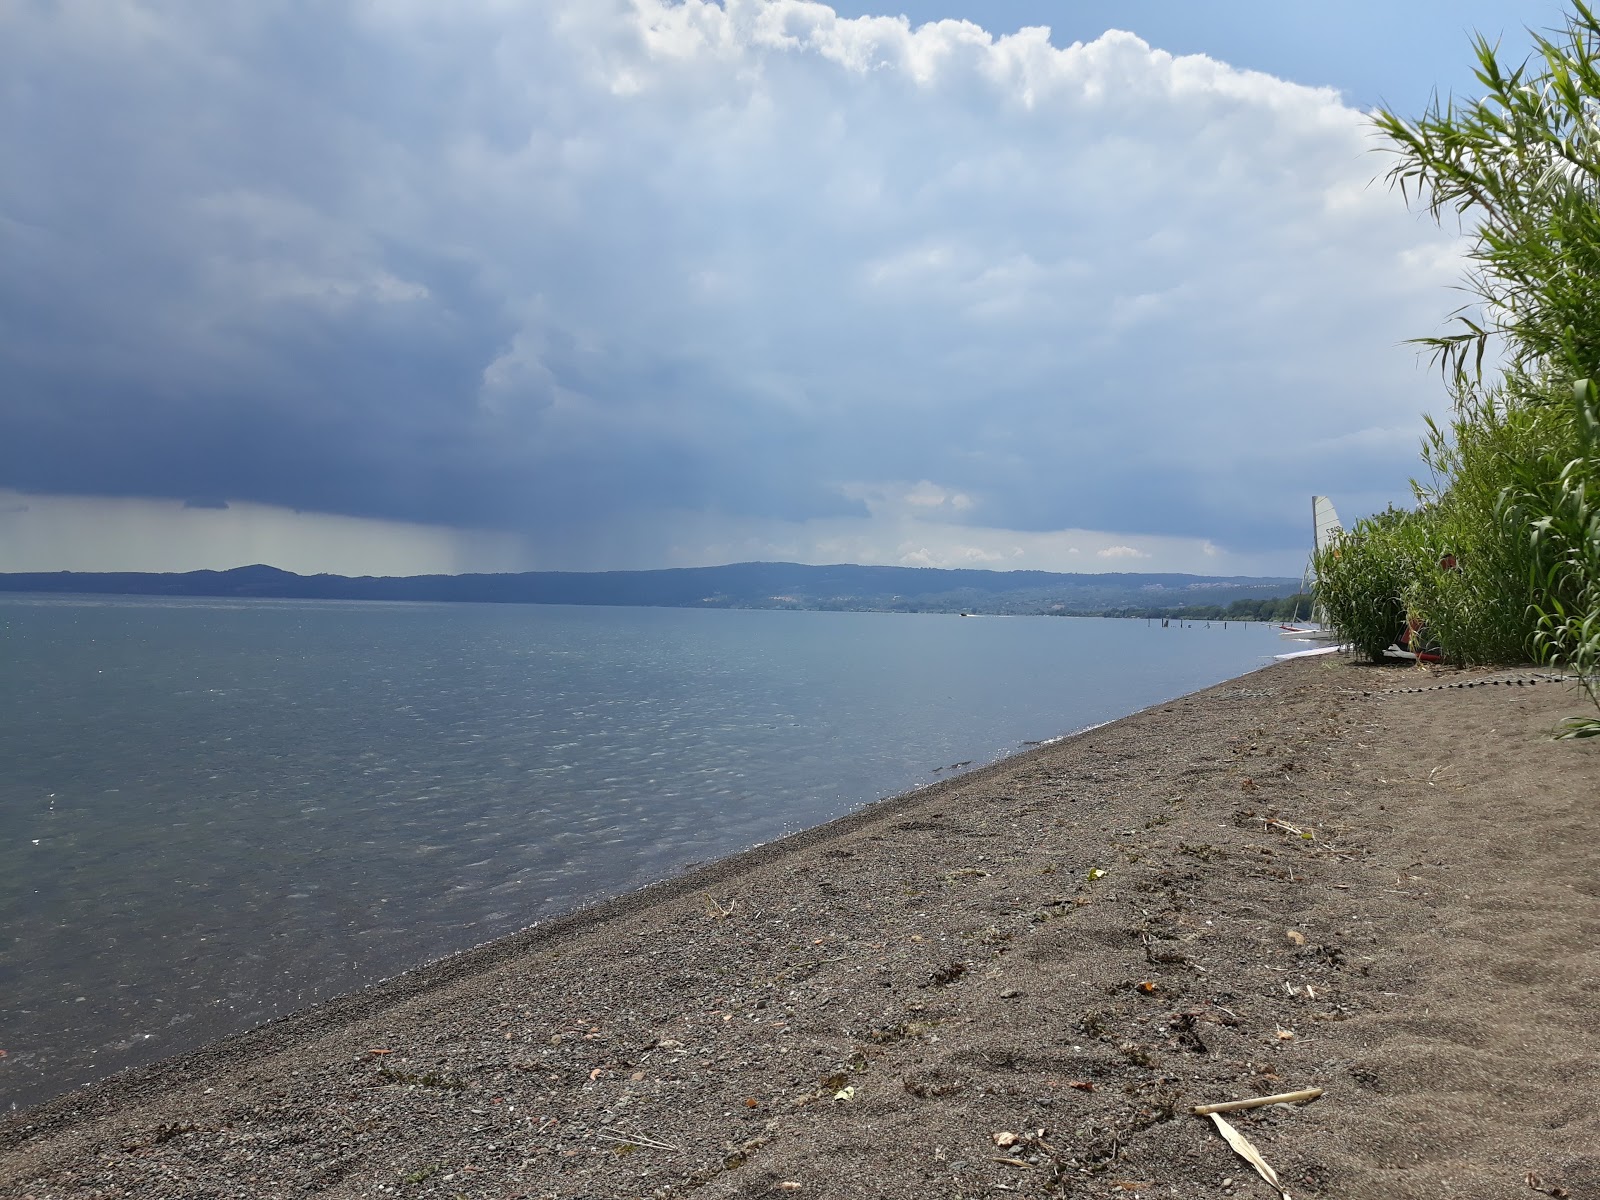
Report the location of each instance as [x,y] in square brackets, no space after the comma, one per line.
[1242,1147]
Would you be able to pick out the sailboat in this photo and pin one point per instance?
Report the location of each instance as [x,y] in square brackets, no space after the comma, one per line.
[1325,530]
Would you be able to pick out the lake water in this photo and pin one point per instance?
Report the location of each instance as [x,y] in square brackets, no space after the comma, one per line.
[215,812]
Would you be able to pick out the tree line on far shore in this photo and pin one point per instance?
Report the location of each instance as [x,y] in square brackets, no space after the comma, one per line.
[1500,559]
[1275,609]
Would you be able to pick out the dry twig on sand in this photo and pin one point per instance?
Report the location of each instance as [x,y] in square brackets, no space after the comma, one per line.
[1300,1097]
[637,1139]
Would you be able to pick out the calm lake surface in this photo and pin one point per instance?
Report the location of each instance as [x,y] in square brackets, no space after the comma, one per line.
[215,812]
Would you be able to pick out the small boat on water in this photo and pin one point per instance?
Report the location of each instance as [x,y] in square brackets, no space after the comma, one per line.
[1325,530]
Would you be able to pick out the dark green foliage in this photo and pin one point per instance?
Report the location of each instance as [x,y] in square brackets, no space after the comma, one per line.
[1468,570]
[1563,522]
[1272,608]
[1362,580]
[1501,560]
[1520,167]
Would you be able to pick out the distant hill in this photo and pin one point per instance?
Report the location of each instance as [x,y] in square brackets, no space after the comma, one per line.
[739,585]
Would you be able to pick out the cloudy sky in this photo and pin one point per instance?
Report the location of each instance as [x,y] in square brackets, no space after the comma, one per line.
[398,285]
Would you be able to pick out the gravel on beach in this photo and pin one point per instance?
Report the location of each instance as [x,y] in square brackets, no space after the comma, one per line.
[1379,882]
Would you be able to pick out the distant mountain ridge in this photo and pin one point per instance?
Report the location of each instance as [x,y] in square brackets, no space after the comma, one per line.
[737,585]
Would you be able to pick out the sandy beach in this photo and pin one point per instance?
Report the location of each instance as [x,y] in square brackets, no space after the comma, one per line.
[1378,882]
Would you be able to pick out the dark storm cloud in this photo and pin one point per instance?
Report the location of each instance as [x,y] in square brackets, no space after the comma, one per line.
[545,266]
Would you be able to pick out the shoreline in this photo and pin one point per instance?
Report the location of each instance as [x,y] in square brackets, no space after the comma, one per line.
[1179,616]
[733,775]
[945,957]
[466,962]
[765,586]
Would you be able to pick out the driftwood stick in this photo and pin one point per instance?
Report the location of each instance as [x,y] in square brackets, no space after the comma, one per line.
[1300,1097]
[637,1139]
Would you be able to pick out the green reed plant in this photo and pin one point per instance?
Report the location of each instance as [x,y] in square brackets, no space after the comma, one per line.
[1562,518]
[1471,589]
[1362,579]
[1502,558]
[1521,168]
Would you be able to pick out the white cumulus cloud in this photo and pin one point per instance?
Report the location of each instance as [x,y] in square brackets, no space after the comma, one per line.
[560,266]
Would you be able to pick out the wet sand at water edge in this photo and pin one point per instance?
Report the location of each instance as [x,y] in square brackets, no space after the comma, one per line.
[1380,882]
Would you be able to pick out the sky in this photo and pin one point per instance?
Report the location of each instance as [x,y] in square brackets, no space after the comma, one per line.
[386,286]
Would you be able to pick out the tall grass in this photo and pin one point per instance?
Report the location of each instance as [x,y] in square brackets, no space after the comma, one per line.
[1501,559]
[1363,578]
[1563,522]
[1521,166]
[1478,611]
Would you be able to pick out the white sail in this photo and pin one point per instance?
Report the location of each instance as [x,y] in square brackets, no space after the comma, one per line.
[1324,522]
[1325,530]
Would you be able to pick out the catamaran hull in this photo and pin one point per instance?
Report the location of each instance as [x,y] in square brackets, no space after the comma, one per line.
[1310,635]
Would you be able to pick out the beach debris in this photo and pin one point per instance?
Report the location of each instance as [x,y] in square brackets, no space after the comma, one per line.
[715,911]
[845,1094]
[946,975]
[1014,1162]
[790,1185]
[1185,1028]
[927,1089]
[1173,957]
[1096,873]
[1539,1185]
[377,1051]
[624,1138]
[1083,1085]
[1301,1097]
[1005,1138]
[428,1079]
[1242,1147]
[1305,835]
[1295,936]
[888,1035]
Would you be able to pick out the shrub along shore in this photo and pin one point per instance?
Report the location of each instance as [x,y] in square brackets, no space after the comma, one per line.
[1377,882]
[1500,560]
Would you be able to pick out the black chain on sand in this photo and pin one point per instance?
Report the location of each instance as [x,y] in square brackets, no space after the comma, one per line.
[1509,681]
